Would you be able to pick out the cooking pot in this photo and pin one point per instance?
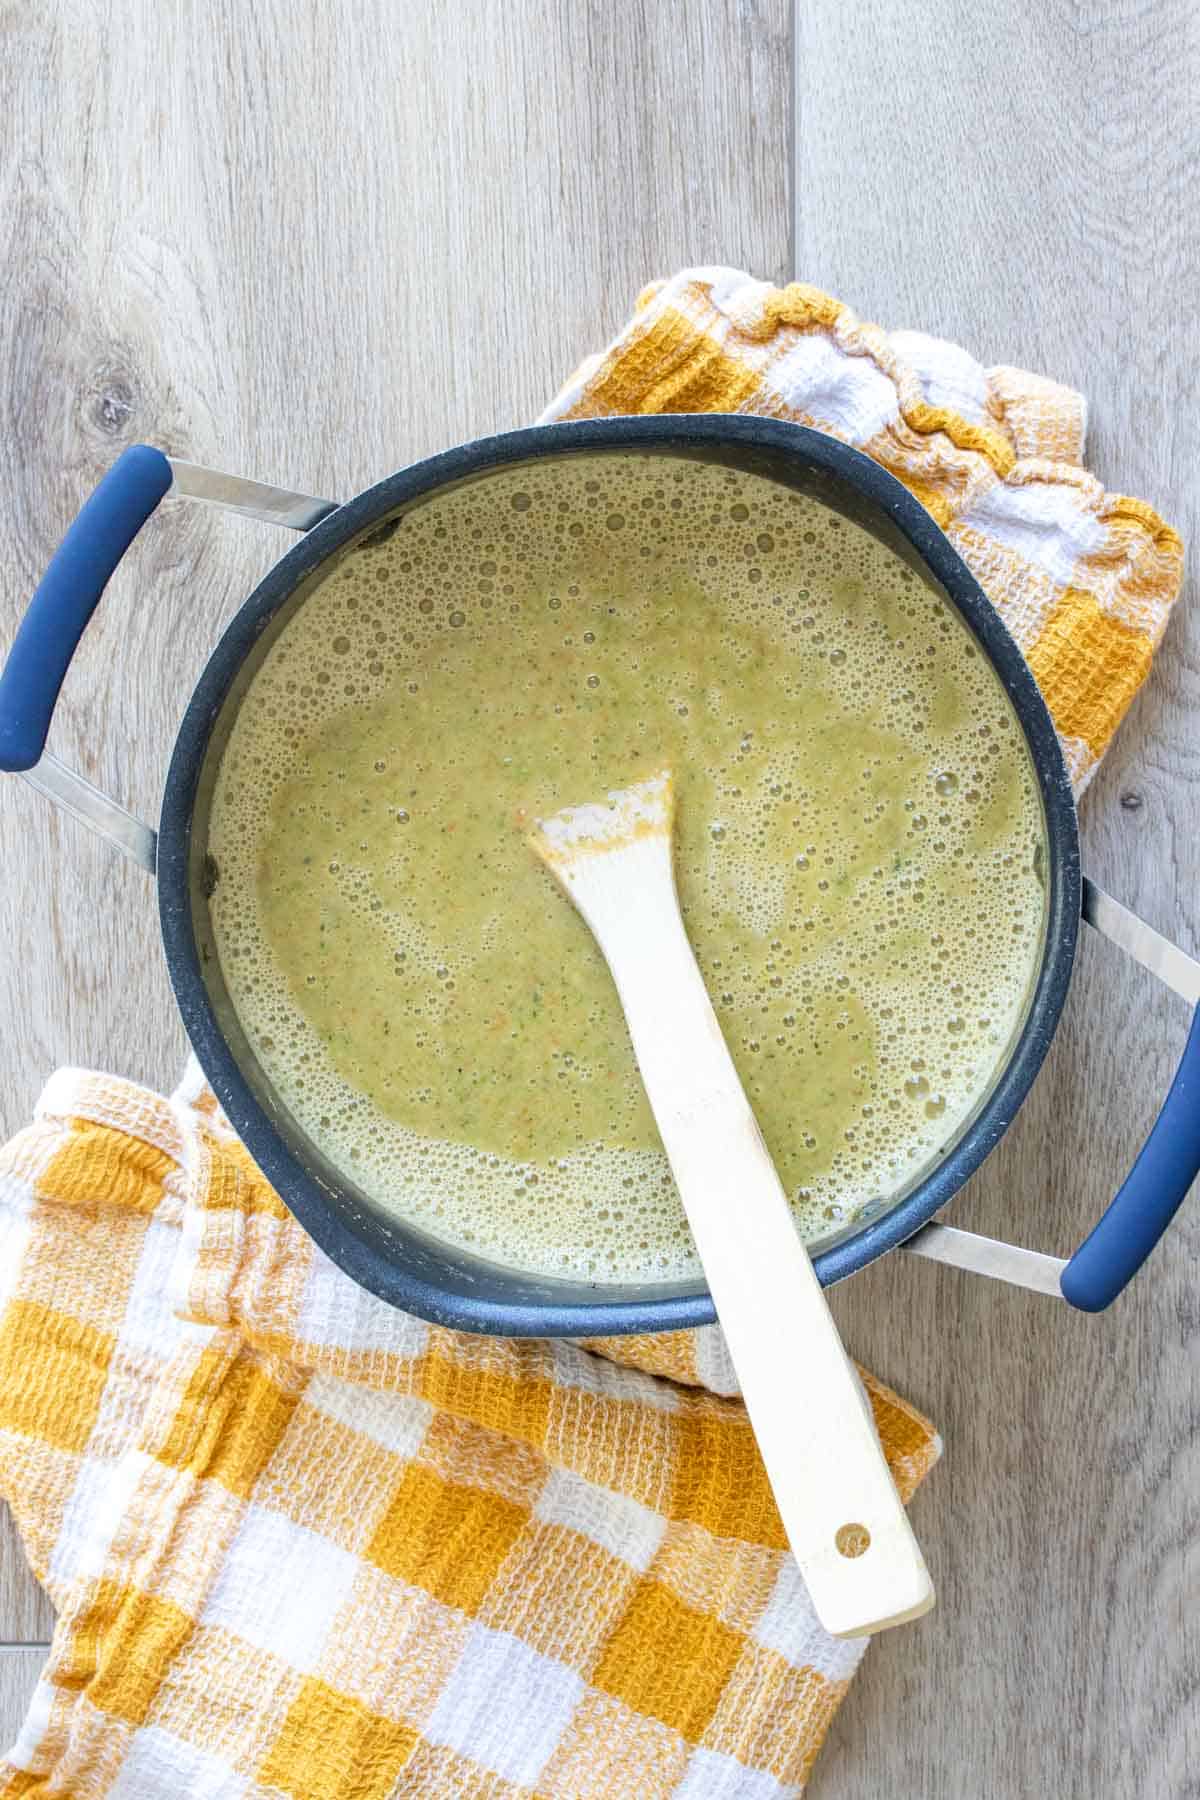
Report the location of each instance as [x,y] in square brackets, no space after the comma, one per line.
[407,1267]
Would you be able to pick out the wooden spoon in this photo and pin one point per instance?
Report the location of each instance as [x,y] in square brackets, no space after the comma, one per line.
[844,1519]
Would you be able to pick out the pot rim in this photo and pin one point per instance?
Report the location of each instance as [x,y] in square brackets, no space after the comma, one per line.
[313,1202]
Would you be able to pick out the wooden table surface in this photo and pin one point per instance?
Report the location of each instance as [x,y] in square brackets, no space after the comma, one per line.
[312,243]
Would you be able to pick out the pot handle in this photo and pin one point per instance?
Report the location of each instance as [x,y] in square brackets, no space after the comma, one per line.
[67,596]
[1167,1165]
[1152,1193]
[1169,1161]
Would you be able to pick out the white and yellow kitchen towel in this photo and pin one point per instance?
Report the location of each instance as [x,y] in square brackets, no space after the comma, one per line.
[304,1547]
[1084,579]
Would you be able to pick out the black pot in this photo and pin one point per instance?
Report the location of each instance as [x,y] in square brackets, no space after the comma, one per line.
[404,1266]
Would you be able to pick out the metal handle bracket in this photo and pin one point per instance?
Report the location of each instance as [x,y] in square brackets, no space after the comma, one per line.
[254,499]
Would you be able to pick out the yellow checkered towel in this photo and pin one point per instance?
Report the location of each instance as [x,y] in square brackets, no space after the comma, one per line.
[302,1545]
[1084,579]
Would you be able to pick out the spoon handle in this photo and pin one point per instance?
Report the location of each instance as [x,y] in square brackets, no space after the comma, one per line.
[843,1517]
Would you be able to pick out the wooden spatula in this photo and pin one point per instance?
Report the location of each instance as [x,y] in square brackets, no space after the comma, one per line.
[844,1520]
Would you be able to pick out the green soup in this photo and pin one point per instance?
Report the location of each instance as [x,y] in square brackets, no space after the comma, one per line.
[858,852]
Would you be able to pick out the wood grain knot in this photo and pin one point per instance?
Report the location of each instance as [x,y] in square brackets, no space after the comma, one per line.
[110,402]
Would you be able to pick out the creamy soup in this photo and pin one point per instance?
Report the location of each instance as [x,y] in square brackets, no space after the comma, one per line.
[858,852]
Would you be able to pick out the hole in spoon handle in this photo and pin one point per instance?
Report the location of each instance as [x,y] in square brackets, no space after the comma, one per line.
[852,1540]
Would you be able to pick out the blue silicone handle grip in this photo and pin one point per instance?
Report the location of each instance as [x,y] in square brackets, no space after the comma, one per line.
[1150,1197]
[67,596]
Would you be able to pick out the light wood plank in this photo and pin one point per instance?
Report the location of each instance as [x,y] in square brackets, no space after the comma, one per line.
[1017,178]
[19,1671]
[26,1615]
[310,244]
